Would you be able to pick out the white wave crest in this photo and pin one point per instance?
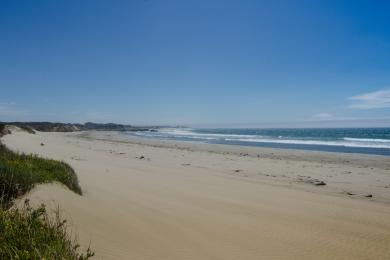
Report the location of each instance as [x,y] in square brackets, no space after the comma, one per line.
[189,134]
[367,140]
[315,142]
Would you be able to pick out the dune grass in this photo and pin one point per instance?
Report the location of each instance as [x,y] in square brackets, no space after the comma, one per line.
[2,129]
[20,172]
[27,129]
[27,233]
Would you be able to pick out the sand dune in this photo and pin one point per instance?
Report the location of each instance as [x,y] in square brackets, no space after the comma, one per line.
[163,200]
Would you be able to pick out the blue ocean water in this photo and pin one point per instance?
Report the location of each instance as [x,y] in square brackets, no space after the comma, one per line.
[347,140]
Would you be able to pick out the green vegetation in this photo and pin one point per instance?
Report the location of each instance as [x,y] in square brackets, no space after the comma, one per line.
[27,233]
[2,129]
[20,172]
[27,129]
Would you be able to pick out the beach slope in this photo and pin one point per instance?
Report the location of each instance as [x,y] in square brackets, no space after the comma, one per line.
[164,200]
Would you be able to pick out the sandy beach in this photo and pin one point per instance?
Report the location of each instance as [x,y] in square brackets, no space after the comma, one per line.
[152,200]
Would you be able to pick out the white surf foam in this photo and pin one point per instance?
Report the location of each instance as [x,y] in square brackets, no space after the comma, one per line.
[188,133]
[367,140]
[315,142]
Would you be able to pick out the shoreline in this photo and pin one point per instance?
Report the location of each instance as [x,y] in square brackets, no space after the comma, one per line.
[353,163]
[326,140]
[149,199]
[254,151]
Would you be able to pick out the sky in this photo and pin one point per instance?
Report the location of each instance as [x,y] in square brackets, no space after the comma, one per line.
[197,63]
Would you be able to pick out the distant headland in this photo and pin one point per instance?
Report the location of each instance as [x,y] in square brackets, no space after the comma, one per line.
[73,127]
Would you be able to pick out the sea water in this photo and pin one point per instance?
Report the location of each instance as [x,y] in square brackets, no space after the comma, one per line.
[347,140]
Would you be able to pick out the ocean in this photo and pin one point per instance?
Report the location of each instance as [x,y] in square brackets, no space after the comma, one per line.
[346,140]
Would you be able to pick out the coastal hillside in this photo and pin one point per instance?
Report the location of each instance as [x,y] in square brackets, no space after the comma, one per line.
[69,127]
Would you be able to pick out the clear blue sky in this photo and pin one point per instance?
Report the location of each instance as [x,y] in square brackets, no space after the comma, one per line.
[195,62]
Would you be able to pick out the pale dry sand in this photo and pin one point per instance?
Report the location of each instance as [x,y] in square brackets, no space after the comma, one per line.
[194,201]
